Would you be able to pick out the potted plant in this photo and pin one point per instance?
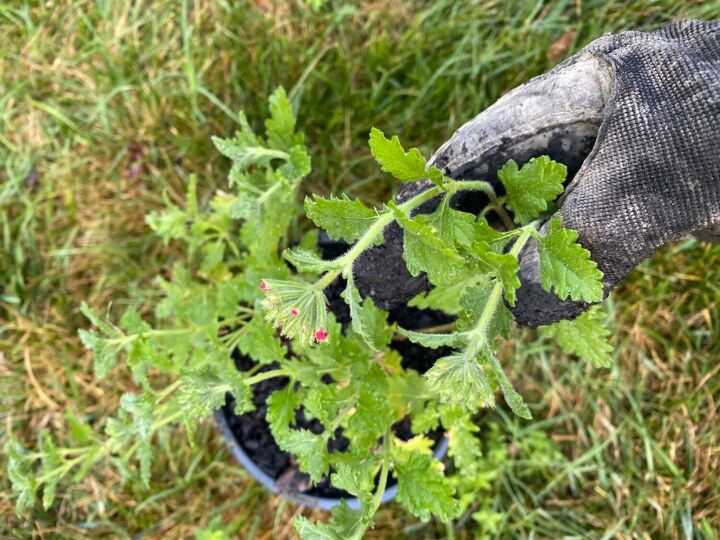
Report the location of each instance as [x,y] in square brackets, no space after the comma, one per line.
[273,332]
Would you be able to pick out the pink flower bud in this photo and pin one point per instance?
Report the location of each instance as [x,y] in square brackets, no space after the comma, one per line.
[321,334]
[264,286]
[294,312]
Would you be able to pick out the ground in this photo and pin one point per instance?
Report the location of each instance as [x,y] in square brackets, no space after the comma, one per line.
[105,105]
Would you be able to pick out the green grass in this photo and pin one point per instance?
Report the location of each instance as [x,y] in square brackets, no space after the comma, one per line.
[106,104]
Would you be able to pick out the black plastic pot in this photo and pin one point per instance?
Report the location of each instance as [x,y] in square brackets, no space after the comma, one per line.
[310,501]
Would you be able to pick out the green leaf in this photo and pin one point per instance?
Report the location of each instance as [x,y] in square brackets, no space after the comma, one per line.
[307,261]
[297,308]
[203,391]
[463,443]
[566,266]
[280,127]
[368,321]
[260,343]
[434,341]
[310,450]
[344,524]
[503,265]
[586,336]
[447,298]
[529,189]
[244,156]
[405,166]
[424,251]
[512,398]
[21,475]
[422,486]
[459,380]
[473,303]
[341,218]
[451,226]
[282,405]
[357,477]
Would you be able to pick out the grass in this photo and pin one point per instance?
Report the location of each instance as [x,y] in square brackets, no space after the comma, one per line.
[104,105]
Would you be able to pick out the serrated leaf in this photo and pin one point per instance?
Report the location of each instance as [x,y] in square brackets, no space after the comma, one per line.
[473,303]
[423,251]
[405,166]
[463,444]
[260,343]
[357,477]
[307,261]
[309,449]
[451,226]
[447,298]
[297,309]
[343,524]
[298,165]
[566,266]
[203,391]
[19,470]
[459,380]
[586,336]
[530,188]
[280,127]
[503,266]
[368,321]
[282,405]
[512,398]
[434,341]
[244,156]
[422,487]
[341,218]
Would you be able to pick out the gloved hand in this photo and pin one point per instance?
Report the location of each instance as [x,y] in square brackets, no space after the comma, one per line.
[635,117]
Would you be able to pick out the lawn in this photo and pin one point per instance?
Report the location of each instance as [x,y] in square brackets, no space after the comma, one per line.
[107,105]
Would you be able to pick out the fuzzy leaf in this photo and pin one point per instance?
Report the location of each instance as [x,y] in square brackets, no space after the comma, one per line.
[566,266]
[368,321]
[422,486]
[307,261]
[474,302]
[530,188]
[260,343]
[512,398]
[341,217]
[310,449]
[503,265]
[297,308]
[424,251]
[459,380]
[344,523]
[587,337]
[280,127]
[405,166]
[433,341]
[447,298]
[450,226]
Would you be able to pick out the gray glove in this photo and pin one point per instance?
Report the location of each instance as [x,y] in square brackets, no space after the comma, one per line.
[635,117]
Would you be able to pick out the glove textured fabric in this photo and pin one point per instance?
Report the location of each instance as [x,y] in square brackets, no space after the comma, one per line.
[649,177]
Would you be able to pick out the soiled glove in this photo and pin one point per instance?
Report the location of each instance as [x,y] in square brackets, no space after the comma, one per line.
[635,117]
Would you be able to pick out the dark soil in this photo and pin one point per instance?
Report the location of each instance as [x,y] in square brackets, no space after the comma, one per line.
[253,432]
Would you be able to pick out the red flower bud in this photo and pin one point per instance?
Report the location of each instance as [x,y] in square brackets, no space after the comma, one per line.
[264,286]
[294,312]
[321,334]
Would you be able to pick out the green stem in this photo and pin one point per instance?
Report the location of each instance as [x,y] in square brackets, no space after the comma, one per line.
[266,375]
[368,239]
[480,330]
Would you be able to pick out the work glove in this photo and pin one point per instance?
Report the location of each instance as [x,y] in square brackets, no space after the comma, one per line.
[636,118]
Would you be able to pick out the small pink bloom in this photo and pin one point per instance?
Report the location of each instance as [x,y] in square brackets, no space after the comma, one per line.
[321,334]
[294,312]
[264,286]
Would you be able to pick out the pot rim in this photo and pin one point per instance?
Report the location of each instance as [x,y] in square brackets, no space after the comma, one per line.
[310,501]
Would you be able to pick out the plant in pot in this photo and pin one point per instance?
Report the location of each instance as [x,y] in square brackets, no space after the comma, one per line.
[323,395]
